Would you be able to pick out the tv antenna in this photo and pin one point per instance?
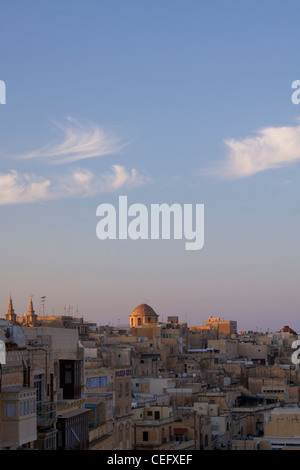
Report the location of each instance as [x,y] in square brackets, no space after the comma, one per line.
[42,306]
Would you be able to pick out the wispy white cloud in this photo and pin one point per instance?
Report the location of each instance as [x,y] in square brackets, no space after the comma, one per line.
[22,188]
[80,141]
[18,188]
[272,147]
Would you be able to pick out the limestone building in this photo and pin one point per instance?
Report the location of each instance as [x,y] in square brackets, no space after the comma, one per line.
[143,315]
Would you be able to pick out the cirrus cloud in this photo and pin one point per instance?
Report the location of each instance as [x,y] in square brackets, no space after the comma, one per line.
[20,188]
[80,141]
[271,148]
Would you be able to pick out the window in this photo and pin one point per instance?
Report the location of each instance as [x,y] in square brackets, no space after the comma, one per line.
[70,379]
[94,382]
[49,444]
[10,410]
[38,385]
[145,436]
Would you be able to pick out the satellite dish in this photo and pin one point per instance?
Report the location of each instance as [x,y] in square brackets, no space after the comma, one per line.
[147,405]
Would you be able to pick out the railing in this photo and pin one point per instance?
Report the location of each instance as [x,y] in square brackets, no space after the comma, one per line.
[46,411]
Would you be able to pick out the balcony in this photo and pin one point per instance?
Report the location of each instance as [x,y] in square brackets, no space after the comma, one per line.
[18,416]
[46,413]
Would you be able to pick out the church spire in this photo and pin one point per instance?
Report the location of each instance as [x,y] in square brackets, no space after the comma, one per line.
[10,313]
[30,310]
[30,317]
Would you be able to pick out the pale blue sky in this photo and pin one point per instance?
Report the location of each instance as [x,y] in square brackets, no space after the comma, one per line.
[169,89]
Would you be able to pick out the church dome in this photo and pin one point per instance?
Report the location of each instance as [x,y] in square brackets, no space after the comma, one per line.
[143,309]
[143,314]
[287,329]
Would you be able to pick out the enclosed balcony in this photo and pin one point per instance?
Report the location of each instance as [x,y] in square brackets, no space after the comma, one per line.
[19,419]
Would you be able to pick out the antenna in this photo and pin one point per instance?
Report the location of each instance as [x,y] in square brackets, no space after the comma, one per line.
[42,306]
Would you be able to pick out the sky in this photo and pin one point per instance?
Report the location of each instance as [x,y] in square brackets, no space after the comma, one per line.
[162,101]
